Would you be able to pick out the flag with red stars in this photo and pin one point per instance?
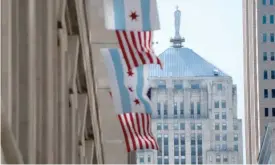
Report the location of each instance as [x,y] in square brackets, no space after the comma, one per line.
[128,87]
[131,15]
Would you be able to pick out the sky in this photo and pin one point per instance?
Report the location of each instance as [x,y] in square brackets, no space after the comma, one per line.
[213,29]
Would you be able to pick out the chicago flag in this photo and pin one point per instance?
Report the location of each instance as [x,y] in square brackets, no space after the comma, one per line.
[131,15]
[128,87]
[132,105]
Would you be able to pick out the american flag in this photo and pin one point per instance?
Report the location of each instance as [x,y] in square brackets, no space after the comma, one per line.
[136,47]
[136,128]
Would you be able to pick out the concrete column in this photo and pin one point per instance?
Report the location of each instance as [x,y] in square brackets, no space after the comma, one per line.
[32,26]
[51,50]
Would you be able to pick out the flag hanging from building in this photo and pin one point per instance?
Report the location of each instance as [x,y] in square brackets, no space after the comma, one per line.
[128,88]
[131,15]
[136,48]
[137,132]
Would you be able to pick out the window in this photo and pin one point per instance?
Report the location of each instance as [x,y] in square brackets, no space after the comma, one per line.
[224,147]
[265,93]
[166,161]
[193,139]
[264,56]
[175,109]
[192,125]
[236,147]
[273,93]
[178,84]
[272,56]
[218,158]
[225,159]
[272,37]
[181,108]
[176,161]
[264,19]
[176,126]
[158,109]
[273,112]
[165,112]
[176,150]
[219,87]
[217,115]
[141,159]
[271,19]
[165,139]
[149,158]
[273,74]
[236,137]
[182,126]
[159,160]
[217,104]
[165,126]
[224,137]
[182,161]
[161,84]
[198,108]
[223,104]
[266,112]
[182,141]
[217,126]
[195,86]
[217,137]
[192,109]
[265,75]
[176,139]
[264,37]
[165,108]
[224,115]
[224,126]
[198,126]
[199,139]
[158,126]
[264,2]
[159,140]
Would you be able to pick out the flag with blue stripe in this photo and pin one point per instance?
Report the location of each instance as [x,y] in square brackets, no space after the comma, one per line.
[131,15]
[129,88]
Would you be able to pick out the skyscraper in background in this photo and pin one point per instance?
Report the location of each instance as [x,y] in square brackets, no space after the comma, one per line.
[195,117]
[259,72]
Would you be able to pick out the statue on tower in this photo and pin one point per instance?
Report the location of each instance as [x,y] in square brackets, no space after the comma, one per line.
[177,22]
[177,40]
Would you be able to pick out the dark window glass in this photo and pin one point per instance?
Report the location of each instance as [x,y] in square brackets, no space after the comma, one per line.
[159,160]
[182,140]
[265,93]
[265,56]
[265,75]
[272,37]
[273,74]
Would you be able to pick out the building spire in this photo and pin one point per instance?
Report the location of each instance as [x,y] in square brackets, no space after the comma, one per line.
[177,40]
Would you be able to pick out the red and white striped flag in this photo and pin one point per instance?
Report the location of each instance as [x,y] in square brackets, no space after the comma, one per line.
[136,128]
[136,47]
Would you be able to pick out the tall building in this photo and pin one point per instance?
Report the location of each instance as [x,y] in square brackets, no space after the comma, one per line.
[55,105]
[195,117]
[259,72]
